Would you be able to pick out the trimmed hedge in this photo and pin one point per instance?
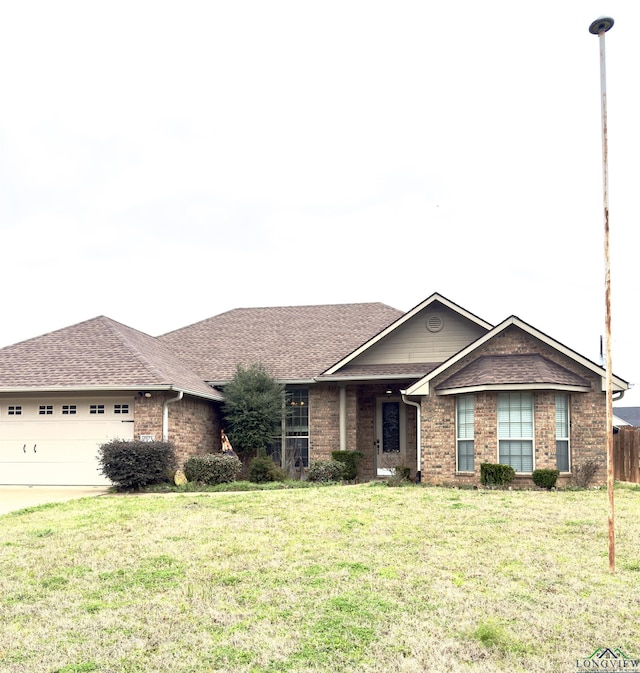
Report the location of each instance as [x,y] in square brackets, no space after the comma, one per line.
[134,464]
[545,478]
[496,474]
[212,468]
[351,460]
[325,470]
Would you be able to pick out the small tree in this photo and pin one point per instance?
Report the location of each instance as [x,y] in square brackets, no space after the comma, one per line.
[252,409]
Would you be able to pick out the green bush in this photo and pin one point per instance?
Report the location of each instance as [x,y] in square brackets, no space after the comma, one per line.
[133,464]
[545,478]
[496,474]
[212,468]
[263,469]
[351,460]
[325,470]
[252,409]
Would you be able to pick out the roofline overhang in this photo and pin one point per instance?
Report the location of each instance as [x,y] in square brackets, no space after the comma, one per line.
[111,389]
[355,379]
[404,318]
[506,387]
[422,387]
[286,382]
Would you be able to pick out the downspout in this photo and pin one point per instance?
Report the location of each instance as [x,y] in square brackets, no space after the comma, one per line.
[620,394]
[165,414]
[418,437]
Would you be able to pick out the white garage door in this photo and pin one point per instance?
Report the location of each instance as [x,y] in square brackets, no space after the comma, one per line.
[55,441]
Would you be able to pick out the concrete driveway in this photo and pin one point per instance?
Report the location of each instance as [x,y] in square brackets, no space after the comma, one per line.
[18,497]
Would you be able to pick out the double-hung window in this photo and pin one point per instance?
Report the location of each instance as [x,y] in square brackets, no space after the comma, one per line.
[291,449]
[515,430]
[562,433]
[464,433]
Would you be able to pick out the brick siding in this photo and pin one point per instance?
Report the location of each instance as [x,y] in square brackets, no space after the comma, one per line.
[194,423]
[587,415]
[324,409]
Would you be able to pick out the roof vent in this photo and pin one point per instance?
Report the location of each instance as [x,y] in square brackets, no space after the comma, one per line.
[434,323]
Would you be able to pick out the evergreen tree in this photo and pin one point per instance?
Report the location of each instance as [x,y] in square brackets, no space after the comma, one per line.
[252,409]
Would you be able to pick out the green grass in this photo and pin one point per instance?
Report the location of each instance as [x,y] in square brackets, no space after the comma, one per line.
[354,578]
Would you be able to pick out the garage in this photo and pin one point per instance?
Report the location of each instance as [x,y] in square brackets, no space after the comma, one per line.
[47,441]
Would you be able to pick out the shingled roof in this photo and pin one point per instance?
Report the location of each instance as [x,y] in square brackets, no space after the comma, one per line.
[530,369]
[98,353]
[294,343]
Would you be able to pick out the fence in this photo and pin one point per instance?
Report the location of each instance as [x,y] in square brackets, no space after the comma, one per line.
[626,450]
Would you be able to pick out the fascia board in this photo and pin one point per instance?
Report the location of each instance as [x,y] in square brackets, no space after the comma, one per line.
[22,390]
[382,377]
[497,387]
[286,382]
[401,320]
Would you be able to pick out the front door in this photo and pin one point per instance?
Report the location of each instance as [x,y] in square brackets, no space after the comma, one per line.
[391,435]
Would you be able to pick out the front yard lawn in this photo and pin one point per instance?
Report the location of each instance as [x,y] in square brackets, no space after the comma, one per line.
[354,578]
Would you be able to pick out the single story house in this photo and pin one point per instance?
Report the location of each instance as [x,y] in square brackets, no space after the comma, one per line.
[436,389]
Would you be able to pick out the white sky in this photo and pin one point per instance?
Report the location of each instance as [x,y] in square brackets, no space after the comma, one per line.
[162,162]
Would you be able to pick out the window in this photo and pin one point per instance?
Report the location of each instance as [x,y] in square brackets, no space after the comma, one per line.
[562,433]
[45,409]
[68,409]
[292,447]
[120,408]
[96,408]
[464,433]
[515,430]
[14,410]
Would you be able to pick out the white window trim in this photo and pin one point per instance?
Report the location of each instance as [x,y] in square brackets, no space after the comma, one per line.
[532,439]
[465,439]
[568,437]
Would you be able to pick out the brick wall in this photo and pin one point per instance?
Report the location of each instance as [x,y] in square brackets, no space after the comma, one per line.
[194,424]
[324,421]
[587,415]
[194,427]
[324,410]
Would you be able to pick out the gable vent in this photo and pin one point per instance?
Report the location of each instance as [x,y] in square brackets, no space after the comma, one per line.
[434,323]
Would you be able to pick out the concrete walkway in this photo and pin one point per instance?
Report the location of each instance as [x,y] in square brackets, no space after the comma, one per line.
[18,497]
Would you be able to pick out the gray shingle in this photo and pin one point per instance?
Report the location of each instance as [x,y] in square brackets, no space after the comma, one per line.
[96,353]
[292,342]
[512,369]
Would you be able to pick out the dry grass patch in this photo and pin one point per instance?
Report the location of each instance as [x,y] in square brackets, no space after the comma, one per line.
[357,578]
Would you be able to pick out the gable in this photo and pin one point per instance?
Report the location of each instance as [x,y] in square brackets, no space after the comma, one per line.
[474,368]
[415,344]
[432,335]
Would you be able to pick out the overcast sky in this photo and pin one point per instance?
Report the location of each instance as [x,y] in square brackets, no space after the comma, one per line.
[162,162]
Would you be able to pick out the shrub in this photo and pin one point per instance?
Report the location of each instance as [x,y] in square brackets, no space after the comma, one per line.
[263,469]
[496,474]
[545,478]
[133,464]
[584,473]
[212,468]
[325,470]
[396,480]
[402,472]
[351,460]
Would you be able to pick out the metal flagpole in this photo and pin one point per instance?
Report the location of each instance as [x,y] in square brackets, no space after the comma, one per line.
[599,27]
